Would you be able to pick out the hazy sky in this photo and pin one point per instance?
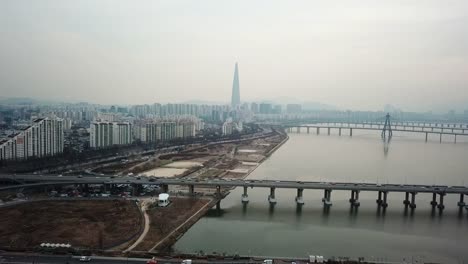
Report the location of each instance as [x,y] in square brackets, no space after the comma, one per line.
[352,54]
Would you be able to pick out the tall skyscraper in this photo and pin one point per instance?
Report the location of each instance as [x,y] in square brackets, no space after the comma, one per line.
[235,99]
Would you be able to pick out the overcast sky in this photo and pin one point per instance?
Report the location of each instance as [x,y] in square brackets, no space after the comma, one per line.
[352,54]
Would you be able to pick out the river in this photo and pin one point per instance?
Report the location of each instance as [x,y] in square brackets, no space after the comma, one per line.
[396,235]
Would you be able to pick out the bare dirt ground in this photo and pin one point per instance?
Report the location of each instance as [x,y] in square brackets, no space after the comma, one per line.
[164,220]
[88,224]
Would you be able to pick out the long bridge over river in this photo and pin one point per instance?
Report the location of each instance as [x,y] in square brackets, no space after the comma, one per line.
[410,191]
[454,130]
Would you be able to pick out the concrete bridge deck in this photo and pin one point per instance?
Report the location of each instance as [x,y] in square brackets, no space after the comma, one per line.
[401,124]
[464,132]
[38,180]
[355,188]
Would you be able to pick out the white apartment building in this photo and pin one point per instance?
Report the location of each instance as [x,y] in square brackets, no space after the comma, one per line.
[178,127]
[43,138]
[106,134]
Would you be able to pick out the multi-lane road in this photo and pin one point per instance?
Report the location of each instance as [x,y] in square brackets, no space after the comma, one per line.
[37,180]
[21,258]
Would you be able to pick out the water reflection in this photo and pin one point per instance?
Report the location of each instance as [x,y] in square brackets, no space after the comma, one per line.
[386,144]
[271,210]
[291,230]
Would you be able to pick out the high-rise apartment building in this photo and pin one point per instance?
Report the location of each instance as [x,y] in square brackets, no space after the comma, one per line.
[43,138]
[106,134]
[157,130]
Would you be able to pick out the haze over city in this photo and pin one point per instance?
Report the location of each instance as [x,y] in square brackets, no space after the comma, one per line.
[242,131]
[353,55]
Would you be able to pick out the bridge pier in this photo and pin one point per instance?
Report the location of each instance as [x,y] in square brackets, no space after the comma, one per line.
[413,200]
[271,197]
[218,191]
[434,200]
[441,205]
[379,199]
[384,202]
[245,197]
[461,203]
[134,189]
[308,130]
[328,131]
[455,140]
[350,132]
[327,197]
[299,199]
[406,202]
[354,200]
[192,189]
[426,136]
[318,130]
[339,131]
[440,140]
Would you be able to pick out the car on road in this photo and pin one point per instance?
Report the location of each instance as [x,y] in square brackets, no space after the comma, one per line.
[85,258]
[152,261]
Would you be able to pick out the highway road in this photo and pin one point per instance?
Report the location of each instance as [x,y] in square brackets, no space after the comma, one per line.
[20,258]
[351,186]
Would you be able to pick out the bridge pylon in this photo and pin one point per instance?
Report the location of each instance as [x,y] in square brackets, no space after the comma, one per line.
[387,127]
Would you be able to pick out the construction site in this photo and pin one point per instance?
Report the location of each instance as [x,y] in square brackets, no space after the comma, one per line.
[125,222]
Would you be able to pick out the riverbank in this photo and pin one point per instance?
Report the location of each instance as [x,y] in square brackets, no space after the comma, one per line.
[163,226]
[93,224]
[168,224]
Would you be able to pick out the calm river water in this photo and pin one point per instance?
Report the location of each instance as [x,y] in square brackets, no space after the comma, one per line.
[257,229]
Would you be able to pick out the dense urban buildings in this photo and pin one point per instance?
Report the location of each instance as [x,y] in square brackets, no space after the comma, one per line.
[293,108]
[161,130]
[41,139]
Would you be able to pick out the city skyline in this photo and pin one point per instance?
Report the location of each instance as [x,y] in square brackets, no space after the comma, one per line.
[354,56]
